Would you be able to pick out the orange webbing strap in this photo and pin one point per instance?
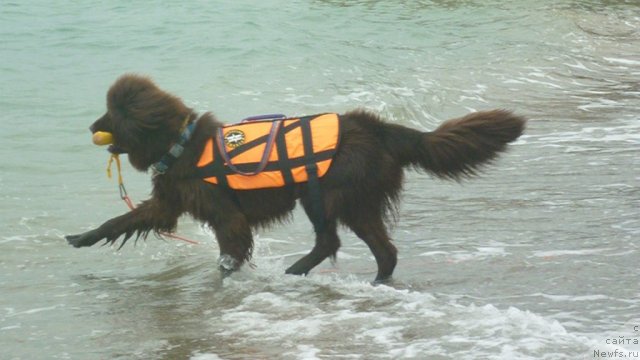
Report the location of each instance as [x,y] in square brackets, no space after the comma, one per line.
[125,197]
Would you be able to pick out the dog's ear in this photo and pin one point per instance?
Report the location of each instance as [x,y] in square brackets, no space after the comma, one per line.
[136,105]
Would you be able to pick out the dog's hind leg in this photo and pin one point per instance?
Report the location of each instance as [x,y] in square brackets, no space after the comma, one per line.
[327,244]
[374,234]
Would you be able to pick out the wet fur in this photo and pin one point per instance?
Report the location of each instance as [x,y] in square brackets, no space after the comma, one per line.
[360,189]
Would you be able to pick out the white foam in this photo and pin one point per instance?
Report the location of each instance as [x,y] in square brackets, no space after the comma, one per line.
[433,253]
[601,103]
[388,335]
[480,253]
[266,322]
[544,83]
[573,298]
[625,133]
[10,327]
[554,253]
[622,61]
[579,65]
[205,356]
[302,314]
[34,310]
[14,238]
[304,352]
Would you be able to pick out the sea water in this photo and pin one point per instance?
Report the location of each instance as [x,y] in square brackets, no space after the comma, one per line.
[536,259]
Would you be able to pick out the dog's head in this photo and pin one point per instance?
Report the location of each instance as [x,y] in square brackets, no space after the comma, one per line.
[143,120]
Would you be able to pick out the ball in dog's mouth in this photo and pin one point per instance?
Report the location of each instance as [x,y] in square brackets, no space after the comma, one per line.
[102,138]
[106,138]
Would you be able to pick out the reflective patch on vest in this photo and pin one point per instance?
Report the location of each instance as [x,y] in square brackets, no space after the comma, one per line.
[234,138]
[289,160]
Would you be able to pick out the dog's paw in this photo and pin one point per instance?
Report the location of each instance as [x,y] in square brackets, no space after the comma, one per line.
[227,265]
[85,239]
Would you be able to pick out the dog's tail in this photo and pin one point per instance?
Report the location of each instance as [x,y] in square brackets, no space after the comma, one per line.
[459,147]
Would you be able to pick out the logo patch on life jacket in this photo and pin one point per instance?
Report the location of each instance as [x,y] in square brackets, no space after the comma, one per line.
[234,138]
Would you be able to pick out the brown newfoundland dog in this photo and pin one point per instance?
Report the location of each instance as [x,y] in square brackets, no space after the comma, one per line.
[359,189]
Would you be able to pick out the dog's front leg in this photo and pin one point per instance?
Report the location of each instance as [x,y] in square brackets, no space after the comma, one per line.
[235,241]
[141,220]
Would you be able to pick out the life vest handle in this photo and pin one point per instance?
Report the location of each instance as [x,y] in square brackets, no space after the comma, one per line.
[275,127]
[264,117]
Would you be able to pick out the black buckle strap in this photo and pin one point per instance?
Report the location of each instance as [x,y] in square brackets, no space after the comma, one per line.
[313,183]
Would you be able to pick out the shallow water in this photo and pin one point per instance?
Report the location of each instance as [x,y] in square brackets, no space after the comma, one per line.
[537,259]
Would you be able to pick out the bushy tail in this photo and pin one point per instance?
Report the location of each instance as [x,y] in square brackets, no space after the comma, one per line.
[459,147]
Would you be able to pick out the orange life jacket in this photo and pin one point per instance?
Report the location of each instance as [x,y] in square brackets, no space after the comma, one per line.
[303,149]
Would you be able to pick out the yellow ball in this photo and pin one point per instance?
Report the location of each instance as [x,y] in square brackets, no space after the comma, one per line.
[102,138]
